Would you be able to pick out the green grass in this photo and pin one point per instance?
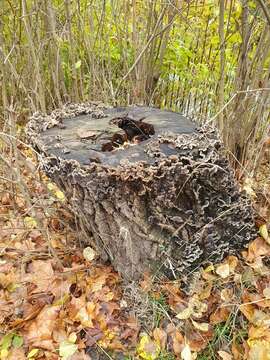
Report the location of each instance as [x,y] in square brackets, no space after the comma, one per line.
[160,308]
[224,334]
[166,356]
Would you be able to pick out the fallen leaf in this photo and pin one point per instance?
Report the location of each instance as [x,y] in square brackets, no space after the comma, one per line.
[259,343]
[220,315]
[72,338]
[5,343]
[224,355]
[17,341]
[89,254]
[185,314]
[16,354]
[226,295]
[56,192]
[232,261]
[160,337]
[223,270]
[147,349]
[206,291]
[178,341]
[266,292]
[198,307]
[257,248]
[41,274]
[204,327]
[32,353]
[198,341]
[67,349]
[186,353]
[237,350]
[249,187]
[29,222]
[247,310]
[259,350]
[39,332]
[264,233]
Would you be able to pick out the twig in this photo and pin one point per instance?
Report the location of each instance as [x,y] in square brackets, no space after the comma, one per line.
[265,10]
[232,98]
[152,37]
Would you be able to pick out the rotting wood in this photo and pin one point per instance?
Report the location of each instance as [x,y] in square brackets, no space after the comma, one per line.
[152,191]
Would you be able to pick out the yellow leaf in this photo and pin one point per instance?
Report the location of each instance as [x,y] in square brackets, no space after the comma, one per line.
[259,350]
[200,326]
[60,195]
[30,222]
[185,314]
[33,353]
[3,354]
[56,192]
[209,268]
[72,338]
[12,287]
[67,349]
[62,300]
[147,348]
[84,317]
[264,233]
[50,186]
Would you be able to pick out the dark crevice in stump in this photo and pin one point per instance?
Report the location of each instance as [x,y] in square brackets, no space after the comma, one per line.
[151,189]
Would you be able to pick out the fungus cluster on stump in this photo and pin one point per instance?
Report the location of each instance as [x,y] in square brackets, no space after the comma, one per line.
[152,191]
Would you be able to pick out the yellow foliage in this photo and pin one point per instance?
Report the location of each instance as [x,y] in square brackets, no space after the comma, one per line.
[147,349]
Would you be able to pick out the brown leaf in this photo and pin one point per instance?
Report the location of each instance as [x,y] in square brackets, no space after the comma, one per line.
[93,336]
[237,351]
[197,340]
[160,337]
[146,283]
[247,310]
[206,291]
[16,354]
[259,300]
[41,274]
[220,315]
[39,332]
[30,312]
[262,333]
[257,248]
[178,342]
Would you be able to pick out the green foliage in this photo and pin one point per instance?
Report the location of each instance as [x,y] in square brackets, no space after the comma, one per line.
[124,52]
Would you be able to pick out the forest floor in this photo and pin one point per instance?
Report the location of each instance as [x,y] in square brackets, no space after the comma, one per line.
[58,301]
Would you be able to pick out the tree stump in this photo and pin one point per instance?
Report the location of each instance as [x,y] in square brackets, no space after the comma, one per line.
[152,190]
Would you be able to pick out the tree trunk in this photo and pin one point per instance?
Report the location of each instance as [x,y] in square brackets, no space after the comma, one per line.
[152,191]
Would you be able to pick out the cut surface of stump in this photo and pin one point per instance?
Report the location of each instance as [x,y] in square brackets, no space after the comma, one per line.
[152,190]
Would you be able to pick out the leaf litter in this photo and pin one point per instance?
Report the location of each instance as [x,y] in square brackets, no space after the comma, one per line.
[58,301]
